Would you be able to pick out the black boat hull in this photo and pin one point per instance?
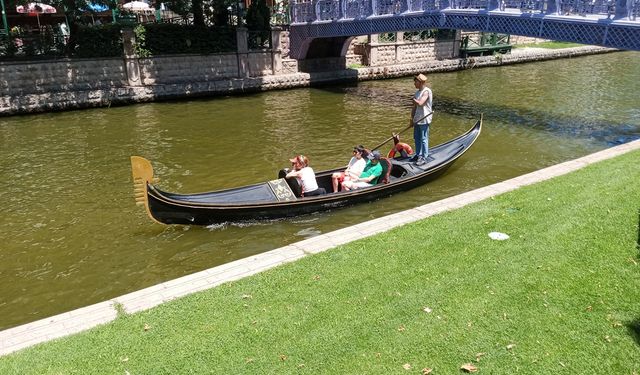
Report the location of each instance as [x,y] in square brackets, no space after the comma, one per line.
[168,213]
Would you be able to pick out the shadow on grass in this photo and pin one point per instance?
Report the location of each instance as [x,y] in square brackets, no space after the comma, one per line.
[634,330]
[638,240]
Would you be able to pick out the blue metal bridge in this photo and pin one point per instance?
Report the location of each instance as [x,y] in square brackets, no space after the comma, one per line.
[610,23]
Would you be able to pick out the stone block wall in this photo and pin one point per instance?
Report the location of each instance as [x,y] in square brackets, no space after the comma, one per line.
[354,59]
[187,68]
[408,52]
[384,54]
[260,64]
[35,86]
[39,77]
[60,100]
[447,49]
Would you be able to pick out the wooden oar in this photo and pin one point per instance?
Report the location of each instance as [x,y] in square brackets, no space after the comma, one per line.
[401,131]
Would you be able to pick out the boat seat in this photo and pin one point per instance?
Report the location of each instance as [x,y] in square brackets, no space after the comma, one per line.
[295,186]
[293,183]
[386,171]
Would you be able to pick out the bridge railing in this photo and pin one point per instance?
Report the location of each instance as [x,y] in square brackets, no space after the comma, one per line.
[304,11]
[328,10]
[431,5]
[584,7]
[390,6]
[470,4]
[357,8]
[525,6]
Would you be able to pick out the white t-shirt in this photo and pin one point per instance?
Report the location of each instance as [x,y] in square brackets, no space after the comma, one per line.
[308,179]
[352,161]
[422,110]
[355,169]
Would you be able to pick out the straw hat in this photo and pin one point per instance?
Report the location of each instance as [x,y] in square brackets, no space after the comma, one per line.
[421,77]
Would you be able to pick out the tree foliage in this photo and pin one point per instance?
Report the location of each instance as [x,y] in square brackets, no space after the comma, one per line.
[258,15]
[166,39]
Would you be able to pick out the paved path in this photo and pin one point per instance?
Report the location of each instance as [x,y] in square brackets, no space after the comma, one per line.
[87,317]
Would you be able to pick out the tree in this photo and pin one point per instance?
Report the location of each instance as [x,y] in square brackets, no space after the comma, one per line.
[258,16]
[198,14]
[220,13]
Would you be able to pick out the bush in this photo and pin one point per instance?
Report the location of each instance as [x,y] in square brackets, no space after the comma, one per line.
[19,46]
[166,39]
[258,16]
[98,41]
[8,46]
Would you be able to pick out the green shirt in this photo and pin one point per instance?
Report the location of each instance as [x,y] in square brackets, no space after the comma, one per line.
[372,170]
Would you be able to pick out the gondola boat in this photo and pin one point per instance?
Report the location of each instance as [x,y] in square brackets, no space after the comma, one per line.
[279,198]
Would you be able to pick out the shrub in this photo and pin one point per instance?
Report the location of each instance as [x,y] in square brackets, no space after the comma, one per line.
[98,41]
[160,39]
[258,16]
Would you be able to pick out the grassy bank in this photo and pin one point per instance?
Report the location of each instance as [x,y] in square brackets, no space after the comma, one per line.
[560,296]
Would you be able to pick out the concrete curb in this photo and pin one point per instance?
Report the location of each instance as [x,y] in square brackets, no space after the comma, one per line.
[82,319]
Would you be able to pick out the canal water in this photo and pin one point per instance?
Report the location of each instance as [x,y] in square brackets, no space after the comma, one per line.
[71,234]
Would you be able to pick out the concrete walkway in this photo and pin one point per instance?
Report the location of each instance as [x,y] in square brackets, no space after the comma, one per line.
[20,337]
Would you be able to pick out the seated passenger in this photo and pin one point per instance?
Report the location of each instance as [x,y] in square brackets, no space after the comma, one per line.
[369,177]
[354,168]
[305,176]
[404,149]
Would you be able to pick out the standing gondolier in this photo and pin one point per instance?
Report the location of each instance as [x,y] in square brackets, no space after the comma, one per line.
[421,118]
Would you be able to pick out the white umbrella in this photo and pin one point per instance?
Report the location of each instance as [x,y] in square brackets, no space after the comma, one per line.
[37,9]
[136,5]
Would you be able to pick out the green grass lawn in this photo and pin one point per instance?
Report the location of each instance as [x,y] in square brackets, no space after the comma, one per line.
[561,296]
[549,45]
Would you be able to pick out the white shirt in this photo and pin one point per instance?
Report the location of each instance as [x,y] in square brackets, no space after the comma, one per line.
[308,179]
[422,110]
[355,169]
[352,161]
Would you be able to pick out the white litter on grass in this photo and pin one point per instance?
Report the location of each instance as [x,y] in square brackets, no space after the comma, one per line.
[498,236]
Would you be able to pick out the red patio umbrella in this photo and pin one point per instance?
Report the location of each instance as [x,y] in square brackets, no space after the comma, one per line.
[36,9]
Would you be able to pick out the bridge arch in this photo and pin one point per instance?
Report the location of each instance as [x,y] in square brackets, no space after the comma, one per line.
[328,47]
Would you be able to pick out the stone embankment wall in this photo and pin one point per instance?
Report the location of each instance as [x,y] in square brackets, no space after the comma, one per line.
[39,86]
[376,53]
[161,70]
[48,85]
[45,76]
[80,83]
[526,55]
